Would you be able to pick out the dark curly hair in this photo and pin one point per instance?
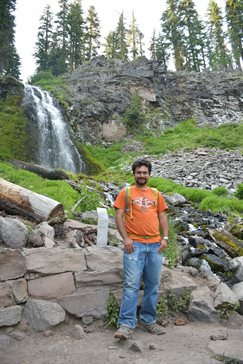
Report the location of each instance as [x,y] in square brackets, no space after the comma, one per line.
[140,163]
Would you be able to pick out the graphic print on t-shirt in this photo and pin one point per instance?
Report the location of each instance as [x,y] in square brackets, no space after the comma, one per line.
[143,203]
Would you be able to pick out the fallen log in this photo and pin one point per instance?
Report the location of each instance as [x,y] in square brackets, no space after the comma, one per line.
[15,199]
[48,173]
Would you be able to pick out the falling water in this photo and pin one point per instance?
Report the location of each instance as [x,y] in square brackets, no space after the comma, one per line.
[55,148]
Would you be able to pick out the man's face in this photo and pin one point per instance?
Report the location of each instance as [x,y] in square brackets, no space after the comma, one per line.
[141,175]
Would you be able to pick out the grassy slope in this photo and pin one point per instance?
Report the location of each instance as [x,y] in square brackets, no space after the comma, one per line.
[13,129]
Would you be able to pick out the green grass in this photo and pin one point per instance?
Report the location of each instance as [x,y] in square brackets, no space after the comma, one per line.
[187,135]
[57,190]
[206,200]
[13,130]
[171,253]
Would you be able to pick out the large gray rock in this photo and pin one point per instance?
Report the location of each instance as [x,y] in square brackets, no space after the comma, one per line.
[237,265]
[13,232]
[176,280]
[12,264]
[224,296]
[238,290]
[6,295]
[111,277]
[19,289]
[46,230]
[10,315]
[86,303]
[53,286]
[201,307]
[230,351]
[101,259]
[12,292]
[43,314]
[54,260]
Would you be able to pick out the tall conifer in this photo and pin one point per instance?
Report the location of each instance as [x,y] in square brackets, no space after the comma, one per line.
[9,58]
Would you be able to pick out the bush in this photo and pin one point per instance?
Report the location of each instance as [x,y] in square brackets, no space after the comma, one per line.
[218,203]
[220,191]
[112,313]
[42,75]
[239,191]
[89,200]
[134,114]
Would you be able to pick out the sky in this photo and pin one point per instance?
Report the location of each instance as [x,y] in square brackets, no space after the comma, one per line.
[147,14]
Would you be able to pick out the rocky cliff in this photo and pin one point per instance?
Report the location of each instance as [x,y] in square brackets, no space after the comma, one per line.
[101,93]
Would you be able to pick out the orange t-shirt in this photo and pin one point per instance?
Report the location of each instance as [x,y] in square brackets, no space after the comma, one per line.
[141,221]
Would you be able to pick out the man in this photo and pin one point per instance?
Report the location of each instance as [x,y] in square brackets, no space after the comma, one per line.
[143,248]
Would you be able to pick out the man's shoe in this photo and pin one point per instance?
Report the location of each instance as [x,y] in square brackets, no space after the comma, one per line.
[153,329]
[123,333]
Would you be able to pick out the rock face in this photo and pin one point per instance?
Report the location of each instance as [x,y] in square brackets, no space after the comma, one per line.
[101,93]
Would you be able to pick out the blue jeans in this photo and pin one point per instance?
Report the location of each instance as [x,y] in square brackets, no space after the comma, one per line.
[145,262]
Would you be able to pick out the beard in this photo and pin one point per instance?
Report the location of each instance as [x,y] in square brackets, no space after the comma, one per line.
[141,181]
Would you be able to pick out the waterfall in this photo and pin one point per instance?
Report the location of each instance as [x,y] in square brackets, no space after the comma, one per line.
[54,146]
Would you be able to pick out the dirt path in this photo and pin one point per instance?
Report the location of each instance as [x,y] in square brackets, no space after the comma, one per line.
[180,345]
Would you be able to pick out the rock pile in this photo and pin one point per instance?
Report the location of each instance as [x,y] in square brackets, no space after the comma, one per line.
[201,168]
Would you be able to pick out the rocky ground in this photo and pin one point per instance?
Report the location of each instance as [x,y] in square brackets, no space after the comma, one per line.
[205,168]
[191,344]
[73,342]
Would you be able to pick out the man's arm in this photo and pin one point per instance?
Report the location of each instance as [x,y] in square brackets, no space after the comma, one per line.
[163,221]
[128,243]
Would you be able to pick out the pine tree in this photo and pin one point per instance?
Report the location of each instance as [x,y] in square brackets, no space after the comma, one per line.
[234,18]
[159,49]
[171,30]
[44,40]
[9,58]
[220,54]
[121,32]
[59,55]
[152,46]
[76,35]
[93,33]
[135,37]
[111,45]
[192,28]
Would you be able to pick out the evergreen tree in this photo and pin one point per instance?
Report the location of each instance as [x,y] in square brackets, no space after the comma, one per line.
[93,33]
[121,32]
[220,55]
[76,35]
[44,40]
[158,49]
[172,31]
[9,58]
[111,45]
[192,28]
[135,37]
[59,55]
[152,46]
[234,18]
[140,43]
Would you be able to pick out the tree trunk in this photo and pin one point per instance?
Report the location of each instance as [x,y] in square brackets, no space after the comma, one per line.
[15,199]
[53,174]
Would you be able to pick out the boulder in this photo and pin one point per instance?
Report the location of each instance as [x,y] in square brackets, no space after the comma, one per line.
[42,314]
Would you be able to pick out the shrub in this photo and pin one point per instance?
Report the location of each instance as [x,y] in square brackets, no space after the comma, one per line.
[220,191]
[171,252]
[134,114]
[239,191]
[42,75]
[219,203]
[89,200]
[112,313]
